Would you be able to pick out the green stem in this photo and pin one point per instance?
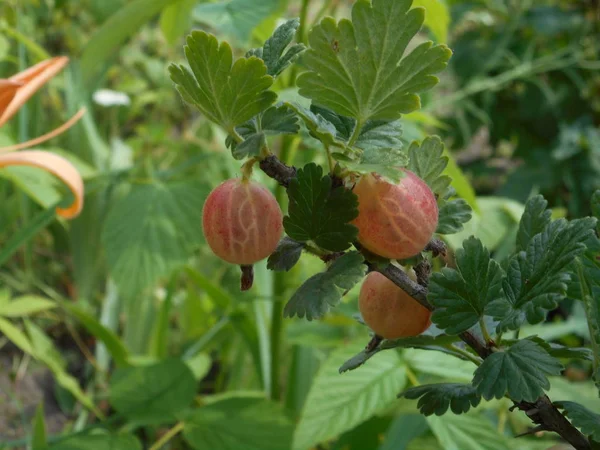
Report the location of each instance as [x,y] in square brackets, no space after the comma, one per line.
[355,133]
[484,331]
[288,149]
[412,377]
[474,359]
[174,431]
[330,159]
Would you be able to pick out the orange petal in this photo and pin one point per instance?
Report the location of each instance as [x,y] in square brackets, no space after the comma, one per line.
[33,79]
[43,138]
[8,89]
[56,165]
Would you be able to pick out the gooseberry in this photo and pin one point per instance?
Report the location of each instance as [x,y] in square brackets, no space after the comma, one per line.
[242,221]
[395,221]
[389,311]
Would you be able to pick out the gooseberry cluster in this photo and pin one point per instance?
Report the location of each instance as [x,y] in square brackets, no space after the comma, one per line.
[242,223]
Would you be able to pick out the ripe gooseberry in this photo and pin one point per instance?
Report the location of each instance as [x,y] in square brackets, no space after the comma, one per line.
[242,223]
[395,221]
[389,311]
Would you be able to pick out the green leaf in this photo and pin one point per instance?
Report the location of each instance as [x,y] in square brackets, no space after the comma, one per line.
[521,371]
[38,432]
[236,18]
[248,422]
[251,146]
[15,335]
[113,344]
[227,94]
[338,403]
[199,364]
[437,17]
[273,121]
[452,216]
[557,350]
[584,419]
[427,162]
[272,52]
[357,68]
[318,126]
[536,280]
[176,19]
[107,39]
[286,255]
[98,442]
[423,341]
[25,306]
[437,398]
[535,218]
[325,290]
[385,161]
[152,394]
[150,232]
[460,296]
[468,432]
[319,213]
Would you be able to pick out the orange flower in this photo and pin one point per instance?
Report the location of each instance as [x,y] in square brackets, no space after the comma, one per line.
[14,92]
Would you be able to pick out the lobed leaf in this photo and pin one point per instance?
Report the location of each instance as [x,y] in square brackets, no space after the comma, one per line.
[286,255]
[427,161]
[272,52]
[357,68]
[460,296]
[584,419]
[536,280]
[521,371]
[226,92]
[535,218]
[437,398]
[319,213]
[453,215]
[324,290]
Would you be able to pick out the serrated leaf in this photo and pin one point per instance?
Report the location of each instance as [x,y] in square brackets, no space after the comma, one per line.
[286,255]
[357,68]
[437,398]
[536,280]
[453,215]
[384,161]
[249,147]
[324,290]
[152,394]
[318,213]
[423,341]
[272,52]
[357,396]
[318,126]
[228,94]
[150,232]
[427,161]
[521,371]
[535,218]
[460,296]
[584,419]
[557,350]
[238,422]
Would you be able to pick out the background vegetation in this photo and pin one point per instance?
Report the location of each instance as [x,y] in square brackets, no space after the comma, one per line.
[124,325]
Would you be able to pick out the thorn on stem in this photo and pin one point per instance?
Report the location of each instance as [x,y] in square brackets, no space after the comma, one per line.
[247,277]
